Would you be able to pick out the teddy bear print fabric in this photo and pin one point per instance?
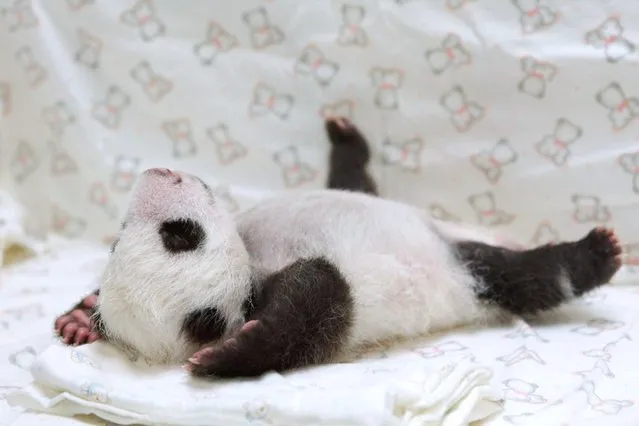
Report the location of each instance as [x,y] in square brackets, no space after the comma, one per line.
[519,115]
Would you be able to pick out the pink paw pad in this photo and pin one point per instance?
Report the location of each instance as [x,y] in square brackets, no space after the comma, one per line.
[75,327]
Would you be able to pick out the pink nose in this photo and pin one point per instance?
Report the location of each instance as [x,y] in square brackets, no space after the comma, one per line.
[161,171]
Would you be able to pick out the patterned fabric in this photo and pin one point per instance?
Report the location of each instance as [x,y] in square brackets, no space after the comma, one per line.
[517,114]
[576,367]
[400,388]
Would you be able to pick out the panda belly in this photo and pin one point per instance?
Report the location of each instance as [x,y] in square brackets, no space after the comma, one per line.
[403,278]
[407,290]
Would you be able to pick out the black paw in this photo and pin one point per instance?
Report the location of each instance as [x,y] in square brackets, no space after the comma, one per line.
[204,362]
[235,357]
[604,251]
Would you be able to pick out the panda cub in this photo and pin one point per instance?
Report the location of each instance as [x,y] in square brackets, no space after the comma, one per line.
[305,278]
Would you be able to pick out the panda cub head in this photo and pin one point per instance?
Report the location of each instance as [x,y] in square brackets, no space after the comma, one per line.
[178,274]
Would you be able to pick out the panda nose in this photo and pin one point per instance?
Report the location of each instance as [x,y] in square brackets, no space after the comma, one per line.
[162,172]
[168,173]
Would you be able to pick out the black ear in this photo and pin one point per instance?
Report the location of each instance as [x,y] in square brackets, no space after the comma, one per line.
[181,235]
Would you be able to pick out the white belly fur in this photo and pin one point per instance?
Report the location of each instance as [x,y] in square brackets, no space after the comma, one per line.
[404,279]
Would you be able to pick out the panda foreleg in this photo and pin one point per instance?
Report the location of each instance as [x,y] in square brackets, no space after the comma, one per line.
[302,316]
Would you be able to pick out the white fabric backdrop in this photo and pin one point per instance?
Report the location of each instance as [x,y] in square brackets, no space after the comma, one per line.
[515,114]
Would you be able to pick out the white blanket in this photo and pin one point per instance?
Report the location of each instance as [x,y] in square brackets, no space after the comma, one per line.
[387,389]
[578,367]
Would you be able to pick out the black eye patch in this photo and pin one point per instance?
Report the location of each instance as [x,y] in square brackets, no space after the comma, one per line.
[181,235]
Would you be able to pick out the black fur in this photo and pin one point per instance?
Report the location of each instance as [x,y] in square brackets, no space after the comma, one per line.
[181,235]
[248,307]
[528,281]
[304,314]
[349,158]
[204,325]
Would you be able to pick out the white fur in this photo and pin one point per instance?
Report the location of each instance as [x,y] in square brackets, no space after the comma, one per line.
[404,278]
[146,292]
[565,285]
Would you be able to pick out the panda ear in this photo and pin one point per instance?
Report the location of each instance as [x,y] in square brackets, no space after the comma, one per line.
[181,235]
